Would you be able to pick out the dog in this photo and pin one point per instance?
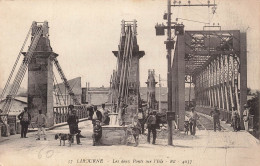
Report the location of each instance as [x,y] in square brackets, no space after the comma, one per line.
[186,127]
[64,137]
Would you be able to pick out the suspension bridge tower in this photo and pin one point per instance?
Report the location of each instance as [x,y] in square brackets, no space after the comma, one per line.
[40,77]
[128,58]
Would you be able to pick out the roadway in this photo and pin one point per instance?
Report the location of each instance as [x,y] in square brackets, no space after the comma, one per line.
[206,148]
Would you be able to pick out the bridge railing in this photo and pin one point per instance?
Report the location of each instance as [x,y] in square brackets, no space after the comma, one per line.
[61,113]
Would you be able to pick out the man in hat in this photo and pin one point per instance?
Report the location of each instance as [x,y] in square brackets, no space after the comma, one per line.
[103,110]
[25,120]
[73,121]
[235,119]
[41,123]
[193,121]
[106,119]
[136,129]
[71,107]
[216,122]
[246,116]
[151,126]
[141,119]
[96,115]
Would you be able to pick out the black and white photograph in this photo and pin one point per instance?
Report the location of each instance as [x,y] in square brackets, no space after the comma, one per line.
[129,82]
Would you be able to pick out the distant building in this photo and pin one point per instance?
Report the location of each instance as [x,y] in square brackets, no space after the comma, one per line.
[164,96]
[97,95]
[61,94]
[91,95]
[18,105]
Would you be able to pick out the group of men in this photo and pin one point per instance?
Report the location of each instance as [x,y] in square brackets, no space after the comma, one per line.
[235,118]
[98,117]
[138,125]
[25,120]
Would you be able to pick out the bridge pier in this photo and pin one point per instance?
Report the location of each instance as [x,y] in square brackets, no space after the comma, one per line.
[133,78]
[40,80]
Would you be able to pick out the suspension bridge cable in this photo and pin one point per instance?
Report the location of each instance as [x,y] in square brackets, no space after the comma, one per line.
[59,88]
[21,72]
[15,64]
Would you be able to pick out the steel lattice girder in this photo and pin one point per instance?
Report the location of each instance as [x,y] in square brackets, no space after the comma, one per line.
[203,46]
[217,63]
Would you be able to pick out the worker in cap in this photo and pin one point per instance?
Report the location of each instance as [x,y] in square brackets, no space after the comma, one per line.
[136,129]
[95,115]
[151,126]
[73,121]
[105,119]
[246,116]
[193,121]
[216,121]
[235,119]
[141,118]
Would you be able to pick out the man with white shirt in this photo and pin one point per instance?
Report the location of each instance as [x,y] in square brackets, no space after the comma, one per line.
[41,123]
[96,115]
[193,121]
[103,111]
[246,116]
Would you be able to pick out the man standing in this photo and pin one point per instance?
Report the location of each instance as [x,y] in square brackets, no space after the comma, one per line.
[73,121]
[193,121]
[103,110]
[136,129]
[25,119]
[96,115]
[246,116]
[41,123]
[151,125]
[235,119]
[106,119]
[141,119]
[216,122]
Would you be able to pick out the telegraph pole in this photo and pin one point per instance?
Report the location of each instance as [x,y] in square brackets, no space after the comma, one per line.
[169,73]
[160,107]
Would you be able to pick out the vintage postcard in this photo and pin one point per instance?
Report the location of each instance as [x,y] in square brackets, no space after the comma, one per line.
[129,82]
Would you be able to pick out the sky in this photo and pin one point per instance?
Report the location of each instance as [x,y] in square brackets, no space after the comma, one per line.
[84,33]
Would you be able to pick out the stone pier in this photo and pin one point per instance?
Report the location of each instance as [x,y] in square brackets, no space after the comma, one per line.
[40,79]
